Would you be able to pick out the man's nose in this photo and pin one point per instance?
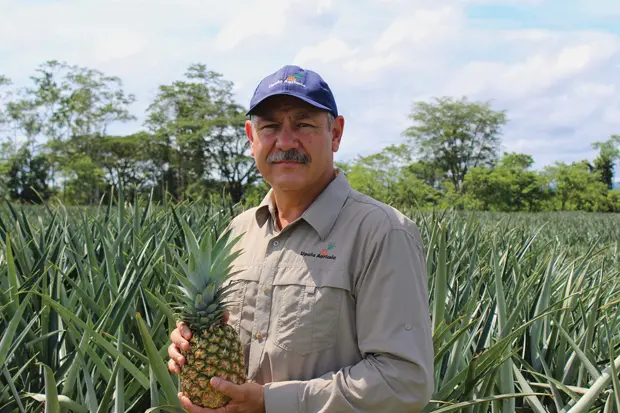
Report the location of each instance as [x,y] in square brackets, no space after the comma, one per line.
[286,138]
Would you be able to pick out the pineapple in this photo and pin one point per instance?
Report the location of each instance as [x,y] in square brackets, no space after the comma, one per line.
[215,349]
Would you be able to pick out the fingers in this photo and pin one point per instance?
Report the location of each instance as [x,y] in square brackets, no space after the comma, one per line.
[183,331]
[175,355]
[174,367]
[191,408]
[179,340]
[226,316]
[176,359]
[229,389]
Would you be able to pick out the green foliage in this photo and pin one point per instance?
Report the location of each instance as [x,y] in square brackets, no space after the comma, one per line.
[613,200]
[525,307]
[202,129]
[71,107]
[27,177]
[456,135]
[255,193]
[391,177]
[577,188]
[194,146]
[609,153]
[128,160]
[508,187]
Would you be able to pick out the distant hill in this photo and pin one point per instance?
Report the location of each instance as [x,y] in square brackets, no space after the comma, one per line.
[616,185]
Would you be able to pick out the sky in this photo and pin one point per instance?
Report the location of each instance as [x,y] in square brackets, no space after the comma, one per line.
[553,65]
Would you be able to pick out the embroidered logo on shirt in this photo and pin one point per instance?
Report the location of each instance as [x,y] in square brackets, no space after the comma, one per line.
[324,253]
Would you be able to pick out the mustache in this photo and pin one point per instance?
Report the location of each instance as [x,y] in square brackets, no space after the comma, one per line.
[291,155]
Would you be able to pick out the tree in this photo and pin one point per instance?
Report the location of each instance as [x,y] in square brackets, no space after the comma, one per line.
[456,135]
[373,175]
[4,97]
[25,170]
[576,188]
[510,186]
[6,145]
[128,161]
[27,177]
[75,106]
[613,199]
[392,177]
[609,153]
[202,129]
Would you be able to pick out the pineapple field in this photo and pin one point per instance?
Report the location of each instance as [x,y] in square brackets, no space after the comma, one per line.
[525,308]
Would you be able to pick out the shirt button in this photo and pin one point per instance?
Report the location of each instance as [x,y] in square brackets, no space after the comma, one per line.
[259,336]
[266,290]
[276,243]
[407,326]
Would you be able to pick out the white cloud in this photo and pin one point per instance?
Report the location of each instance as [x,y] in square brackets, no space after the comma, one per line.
[331,49]
[324,5]
[548,64]
[542,71]
[422,27]
[373,63]
[560,90]
[560,87]
[266,18]
[96,32]
[611,116]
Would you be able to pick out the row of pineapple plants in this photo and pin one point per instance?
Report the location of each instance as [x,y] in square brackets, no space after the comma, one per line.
[524,319]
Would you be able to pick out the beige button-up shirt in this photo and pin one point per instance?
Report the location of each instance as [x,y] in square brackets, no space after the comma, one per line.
[333,310]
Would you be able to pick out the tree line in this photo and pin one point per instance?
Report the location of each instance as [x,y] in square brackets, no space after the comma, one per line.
[55,145]
[451,158]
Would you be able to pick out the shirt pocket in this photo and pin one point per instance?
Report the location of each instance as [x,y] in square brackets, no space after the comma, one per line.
[241,299]
[307,309]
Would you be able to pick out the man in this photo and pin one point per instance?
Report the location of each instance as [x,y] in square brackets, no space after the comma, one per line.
[330,298]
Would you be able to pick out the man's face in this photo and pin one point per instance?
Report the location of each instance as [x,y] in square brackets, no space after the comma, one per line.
[292,142]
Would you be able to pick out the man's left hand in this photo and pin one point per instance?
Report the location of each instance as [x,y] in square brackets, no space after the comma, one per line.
[245,398]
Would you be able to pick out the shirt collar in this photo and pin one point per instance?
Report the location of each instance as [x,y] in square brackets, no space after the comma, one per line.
[323,211]
[266,209]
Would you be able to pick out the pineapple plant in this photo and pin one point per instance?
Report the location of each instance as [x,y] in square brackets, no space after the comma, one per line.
[69,286]
[215,348]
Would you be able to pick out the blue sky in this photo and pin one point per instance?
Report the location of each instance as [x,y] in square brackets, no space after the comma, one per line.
[570,15]
[554,65]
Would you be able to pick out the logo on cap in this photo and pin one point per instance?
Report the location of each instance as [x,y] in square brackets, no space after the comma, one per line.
[295,79]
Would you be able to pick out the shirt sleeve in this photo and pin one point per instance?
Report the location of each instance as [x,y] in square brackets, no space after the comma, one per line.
[394,338]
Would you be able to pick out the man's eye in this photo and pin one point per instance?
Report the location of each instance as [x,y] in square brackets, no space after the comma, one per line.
[305,125]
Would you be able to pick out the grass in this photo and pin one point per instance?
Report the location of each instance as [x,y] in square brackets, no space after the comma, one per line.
[525,308]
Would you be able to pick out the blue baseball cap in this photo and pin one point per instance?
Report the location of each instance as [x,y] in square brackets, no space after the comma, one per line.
[306,85]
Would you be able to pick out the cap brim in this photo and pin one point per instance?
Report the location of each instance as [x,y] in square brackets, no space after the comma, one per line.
[302,97]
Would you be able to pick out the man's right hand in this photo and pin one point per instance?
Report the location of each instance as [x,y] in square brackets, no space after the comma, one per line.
[180,337]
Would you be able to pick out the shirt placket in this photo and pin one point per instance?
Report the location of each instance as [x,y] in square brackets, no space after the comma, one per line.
[262,312]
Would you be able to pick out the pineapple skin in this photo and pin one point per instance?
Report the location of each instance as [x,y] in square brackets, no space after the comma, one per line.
[216,351]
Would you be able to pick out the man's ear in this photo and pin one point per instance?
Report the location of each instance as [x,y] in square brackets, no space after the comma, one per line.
[250,133]
[337,131]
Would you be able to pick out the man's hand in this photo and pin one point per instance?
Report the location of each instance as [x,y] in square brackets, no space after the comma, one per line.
[180,337]
[246,398]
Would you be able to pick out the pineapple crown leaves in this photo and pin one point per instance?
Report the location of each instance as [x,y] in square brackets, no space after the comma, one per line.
[198,291]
